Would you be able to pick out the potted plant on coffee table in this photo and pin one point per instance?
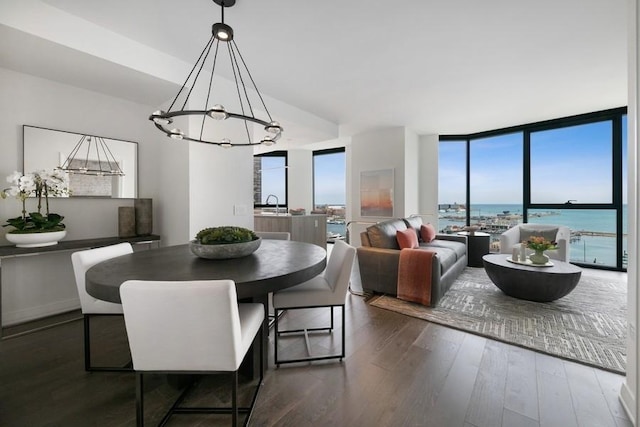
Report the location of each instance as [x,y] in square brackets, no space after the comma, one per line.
[539,244]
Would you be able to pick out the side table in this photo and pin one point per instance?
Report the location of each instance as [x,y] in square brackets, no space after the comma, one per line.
[478,245]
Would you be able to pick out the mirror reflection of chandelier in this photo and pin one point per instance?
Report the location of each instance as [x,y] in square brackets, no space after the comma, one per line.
[221,40]
[91,156]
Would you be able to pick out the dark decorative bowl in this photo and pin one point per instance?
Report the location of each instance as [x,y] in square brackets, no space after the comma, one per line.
[224,251]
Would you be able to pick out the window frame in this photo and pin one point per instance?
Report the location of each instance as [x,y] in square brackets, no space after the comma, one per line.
[281,204]
[313,168]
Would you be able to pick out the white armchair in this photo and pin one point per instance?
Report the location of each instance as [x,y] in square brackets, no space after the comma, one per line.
[513,237]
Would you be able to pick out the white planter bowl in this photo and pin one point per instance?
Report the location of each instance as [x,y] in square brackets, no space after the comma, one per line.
[36,240]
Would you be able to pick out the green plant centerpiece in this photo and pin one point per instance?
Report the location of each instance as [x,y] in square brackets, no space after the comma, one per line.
[27,226]
[225,242]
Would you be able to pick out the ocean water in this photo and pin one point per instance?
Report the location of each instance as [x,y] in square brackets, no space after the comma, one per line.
[337,228]
[598,249]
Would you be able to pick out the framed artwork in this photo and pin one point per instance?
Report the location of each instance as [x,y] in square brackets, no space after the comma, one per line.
[376,193]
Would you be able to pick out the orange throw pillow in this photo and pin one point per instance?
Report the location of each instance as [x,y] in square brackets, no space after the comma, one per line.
[407,238]
[427,232]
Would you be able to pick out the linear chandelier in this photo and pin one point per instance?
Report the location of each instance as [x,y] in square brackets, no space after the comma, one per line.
[91,156]
[221,40]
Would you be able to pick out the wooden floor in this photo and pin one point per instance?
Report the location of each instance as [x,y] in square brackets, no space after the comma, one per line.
[399,371]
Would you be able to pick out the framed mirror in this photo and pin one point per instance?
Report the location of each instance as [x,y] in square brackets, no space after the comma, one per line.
[46,149]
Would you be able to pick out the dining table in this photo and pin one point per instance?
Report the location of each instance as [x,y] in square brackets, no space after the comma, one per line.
[275,265]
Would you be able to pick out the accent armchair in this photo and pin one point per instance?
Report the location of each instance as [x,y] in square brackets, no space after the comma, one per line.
[512,238]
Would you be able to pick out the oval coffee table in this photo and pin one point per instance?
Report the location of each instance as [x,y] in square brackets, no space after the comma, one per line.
[540,284]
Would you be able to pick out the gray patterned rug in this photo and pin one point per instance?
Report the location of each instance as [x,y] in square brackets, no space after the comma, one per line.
[588,326]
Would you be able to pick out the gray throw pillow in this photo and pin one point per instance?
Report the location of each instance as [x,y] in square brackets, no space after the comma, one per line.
[414,222]
[383,234]
[548,233]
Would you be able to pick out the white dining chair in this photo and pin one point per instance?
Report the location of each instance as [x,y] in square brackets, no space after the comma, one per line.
[190,327]
[273,235]
[329,289]
[90,306]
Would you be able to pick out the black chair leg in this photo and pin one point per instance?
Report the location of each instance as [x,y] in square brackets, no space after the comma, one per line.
[275,346]
[340,356]
[87,344]
[234,399]
[87,349]
[343,332]
[332,318]
[139,401]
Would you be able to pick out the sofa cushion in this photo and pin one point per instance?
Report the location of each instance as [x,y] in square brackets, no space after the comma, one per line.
[413,222]
[427,233]
[458,248]
[548,233]
[446,256]
[407,239]
[383,234]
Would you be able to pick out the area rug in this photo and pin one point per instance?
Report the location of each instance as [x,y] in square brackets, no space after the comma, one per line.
[588,326]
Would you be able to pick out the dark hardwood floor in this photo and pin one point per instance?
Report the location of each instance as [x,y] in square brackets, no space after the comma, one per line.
[399,371]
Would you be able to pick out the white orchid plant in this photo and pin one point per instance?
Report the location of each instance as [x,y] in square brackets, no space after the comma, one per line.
[40,184]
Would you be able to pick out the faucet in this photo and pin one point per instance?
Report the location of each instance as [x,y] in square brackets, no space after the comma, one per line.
[277,202]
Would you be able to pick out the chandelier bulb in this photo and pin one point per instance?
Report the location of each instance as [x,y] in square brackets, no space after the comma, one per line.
[273,127]
[222,32]
[158,118]
[176,134]
[225,142]
[218,112]
[267,141]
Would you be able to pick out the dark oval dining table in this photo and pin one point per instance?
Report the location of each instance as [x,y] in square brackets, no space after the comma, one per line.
[277,264]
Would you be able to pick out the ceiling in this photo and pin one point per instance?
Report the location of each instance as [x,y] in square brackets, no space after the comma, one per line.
[436,67]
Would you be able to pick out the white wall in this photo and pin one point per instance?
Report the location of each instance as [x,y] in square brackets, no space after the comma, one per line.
[300,181]
[377,150]
[37,290]
[428,191]
[221,187]
[629,392]
[411,173]
[39,102]
[414,160]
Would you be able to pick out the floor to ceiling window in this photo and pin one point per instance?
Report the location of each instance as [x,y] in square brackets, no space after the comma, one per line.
[495,163]
[329,189]
[569,171]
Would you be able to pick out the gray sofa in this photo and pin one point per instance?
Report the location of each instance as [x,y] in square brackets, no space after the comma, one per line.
[379,255]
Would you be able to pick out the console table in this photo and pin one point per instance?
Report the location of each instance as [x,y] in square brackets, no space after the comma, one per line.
[71,245]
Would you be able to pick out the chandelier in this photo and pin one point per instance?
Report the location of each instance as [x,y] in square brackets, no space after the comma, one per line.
[221,41]
[91,156]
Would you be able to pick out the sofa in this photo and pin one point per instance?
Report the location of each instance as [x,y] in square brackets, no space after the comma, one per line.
[379,256]
[512,238]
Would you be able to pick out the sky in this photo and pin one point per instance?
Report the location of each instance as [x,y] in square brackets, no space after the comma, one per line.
[571,163]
